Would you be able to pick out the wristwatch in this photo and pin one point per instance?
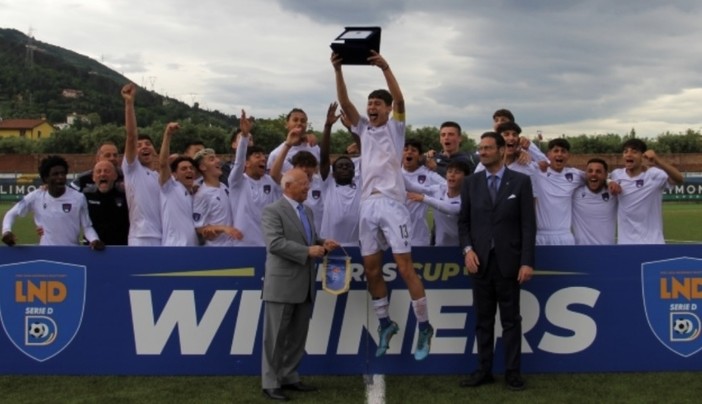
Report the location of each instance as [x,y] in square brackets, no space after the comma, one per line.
[465,250]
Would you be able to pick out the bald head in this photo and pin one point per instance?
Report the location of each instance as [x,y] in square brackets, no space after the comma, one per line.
[295,184]
[104,175]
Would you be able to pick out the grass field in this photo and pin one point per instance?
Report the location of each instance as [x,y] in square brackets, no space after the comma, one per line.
[683,387]
[682,222]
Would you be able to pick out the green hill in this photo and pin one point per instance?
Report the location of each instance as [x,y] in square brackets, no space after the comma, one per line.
[34,74]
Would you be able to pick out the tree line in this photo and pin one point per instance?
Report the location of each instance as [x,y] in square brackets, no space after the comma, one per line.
[84,138]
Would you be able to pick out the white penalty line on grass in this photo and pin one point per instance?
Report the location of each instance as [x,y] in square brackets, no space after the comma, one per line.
[375,389]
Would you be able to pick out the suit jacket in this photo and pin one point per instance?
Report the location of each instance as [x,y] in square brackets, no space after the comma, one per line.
[290,273]
[510,221]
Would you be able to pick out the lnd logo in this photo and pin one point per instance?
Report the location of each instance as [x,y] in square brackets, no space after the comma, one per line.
[672,297]
[41,305]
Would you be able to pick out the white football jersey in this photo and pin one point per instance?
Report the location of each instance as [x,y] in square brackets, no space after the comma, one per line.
[640,211]
[381,158]
[594,217]
[177,215]
[143,198]
[60,218]
[421,177]
[554,207]
[342,209]
[211,206]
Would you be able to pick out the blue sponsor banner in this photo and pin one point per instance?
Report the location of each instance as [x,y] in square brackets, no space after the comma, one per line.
[172,311]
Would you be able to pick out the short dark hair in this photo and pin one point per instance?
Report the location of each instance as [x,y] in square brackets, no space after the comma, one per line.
[180,159]
[303,158]
[193,143]
[503,112]
[49,162]
[146,137]
[292,111]
[499,140]
[343,157]
[451,124]
[599,161]
[459,165]
[415,144]
[253,150]
[559,142]
[381,94]
[636,144]
[505,126]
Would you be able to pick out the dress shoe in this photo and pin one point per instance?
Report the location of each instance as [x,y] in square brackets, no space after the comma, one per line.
[514,381]
[478,378]
[299,386]
[275,394]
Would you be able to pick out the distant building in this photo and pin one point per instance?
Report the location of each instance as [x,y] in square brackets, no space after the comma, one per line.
[71,93]
[27,128]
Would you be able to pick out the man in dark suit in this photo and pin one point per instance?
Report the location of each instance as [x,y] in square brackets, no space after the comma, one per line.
[292,245]
[497,229]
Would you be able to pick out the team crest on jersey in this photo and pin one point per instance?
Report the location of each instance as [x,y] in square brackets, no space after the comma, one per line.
[266,189]
[605,196]
[569,177]
[196,216]
[673,302]
[316,194]
[421,179]
[43,310]
[639,183]
[66,207]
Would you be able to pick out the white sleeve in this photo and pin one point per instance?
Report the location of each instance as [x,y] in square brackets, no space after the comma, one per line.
[536,153]
[436,179]
[200,210]
[273,155]
[442,206]
[85,222]
[20,209]
[237,172]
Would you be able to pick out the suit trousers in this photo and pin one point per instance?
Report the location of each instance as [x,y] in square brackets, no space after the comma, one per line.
[490,291]
[285,327]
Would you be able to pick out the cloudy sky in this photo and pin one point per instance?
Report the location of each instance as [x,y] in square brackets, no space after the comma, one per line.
[562,66]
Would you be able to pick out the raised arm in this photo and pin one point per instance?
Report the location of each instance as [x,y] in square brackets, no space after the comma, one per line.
[282,153]
[675,177]
[342,94]
[398,101]
[325,145]
[164,167]
[354,135]
[130,124]
[237,171]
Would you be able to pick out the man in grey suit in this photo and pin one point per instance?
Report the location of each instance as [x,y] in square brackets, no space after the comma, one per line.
[497,230]
[292,245]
